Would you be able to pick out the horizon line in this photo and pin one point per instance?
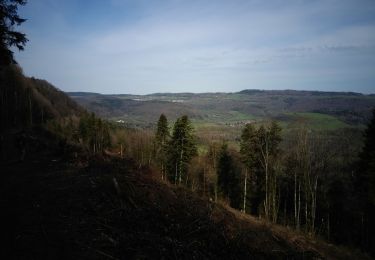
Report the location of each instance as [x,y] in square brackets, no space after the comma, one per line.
[224,92]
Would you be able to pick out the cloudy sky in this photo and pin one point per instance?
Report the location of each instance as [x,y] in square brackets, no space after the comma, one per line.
[147,46]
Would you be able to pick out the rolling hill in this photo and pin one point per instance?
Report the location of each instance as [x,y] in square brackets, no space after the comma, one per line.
[338,109]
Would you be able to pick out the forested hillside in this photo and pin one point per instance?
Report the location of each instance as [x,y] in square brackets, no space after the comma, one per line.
[28,101]
[248,175]
[313,181]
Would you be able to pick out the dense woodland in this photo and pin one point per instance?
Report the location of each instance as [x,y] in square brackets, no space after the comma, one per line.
[318,183]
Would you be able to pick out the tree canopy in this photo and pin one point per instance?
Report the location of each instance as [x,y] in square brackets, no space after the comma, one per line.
[9,18]
[182,148]
[161,143]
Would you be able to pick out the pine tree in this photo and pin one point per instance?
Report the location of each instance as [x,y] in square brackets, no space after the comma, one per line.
[8,36]
[248,152]
[161,143]
[181,150]
[248,146]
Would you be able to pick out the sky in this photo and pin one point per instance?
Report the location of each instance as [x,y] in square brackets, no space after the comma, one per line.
[149,46]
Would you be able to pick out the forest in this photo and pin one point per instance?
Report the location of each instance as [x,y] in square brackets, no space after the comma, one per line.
[318,183]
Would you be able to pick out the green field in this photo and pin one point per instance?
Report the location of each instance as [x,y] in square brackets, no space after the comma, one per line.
[317,121]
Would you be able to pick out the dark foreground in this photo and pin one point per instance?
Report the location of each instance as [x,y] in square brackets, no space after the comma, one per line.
[56,205]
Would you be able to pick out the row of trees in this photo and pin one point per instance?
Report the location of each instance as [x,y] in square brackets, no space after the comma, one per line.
[316,182]
[259,161]
[94,133]
[88,130]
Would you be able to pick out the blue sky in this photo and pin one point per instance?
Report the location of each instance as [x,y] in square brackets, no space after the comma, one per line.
[146,46]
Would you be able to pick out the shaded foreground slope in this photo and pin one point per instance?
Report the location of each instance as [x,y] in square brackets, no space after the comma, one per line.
[59,207]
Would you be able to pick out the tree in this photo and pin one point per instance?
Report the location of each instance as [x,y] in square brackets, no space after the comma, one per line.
[365,186]
[161,143]
[259,149]
[224,171]
[248,151]
[182,148]
[212,159]
[269,139]
[248,146]
[94,133]
[9,18]
[227,177]
[367,164]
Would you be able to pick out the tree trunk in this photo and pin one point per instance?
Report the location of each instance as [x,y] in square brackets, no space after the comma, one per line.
[266,200]
[313,206]
[245,192]
[175,175]
[30,109]
[204,180]
[181,157]
[298,225]
[295,199]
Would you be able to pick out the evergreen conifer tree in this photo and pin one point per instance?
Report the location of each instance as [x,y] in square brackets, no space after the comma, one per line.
[161,143]
[182,148]
[9,18]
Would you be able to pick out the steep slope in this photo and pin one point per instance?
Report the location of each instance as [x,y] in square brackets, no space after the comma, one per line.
[25,102]
[107,208]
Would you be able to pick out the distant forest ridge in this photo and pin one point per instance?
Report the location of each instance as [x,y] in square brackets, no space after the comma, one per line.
[245,91]
[320,110]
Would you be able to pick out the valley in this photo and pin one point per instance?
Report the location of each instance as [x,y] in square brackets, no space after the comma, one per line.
[320,110]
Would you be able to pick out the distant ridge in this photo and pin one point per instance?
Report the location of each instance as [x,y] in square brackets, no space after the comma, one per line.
[245,92]
[81,93]
[292,91]
[349,108]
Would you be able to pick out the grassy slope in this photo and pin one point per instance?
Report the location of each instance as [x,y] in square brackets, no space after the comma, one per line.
[318,121]
[63,209]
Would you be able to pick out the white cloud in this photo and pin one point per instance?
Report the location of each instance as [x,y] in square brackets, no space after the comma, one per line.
[209,46]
